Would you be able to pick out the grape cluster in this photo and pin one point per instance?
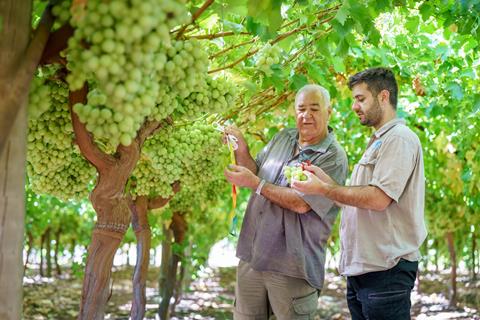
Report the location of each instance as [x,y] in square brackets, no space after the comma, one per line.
[200,197]
[179,154]
[184,70]
[267,56]
[54,164]
[122,49]
[294,173]
[217,96]
[39,98]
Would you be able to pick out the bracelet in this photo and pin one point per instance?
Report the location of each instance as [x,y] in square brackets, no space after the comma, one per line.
[260,186]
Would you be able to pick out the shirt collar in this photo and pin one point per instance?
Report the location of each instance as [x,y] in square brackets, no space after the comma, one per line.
[387,126]
[321,147]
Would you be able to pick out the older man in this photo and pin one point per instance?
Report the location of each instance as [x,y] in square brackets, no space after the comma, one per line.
[282,242]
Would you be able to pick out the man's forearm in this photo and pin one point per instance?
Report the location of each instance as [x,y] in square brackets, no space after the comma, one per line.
[285,197]
[243,158]
[366,197]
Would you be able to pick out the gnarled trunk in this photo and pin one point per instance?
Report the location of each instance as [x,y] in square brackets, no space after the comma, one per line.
[19,56]
[179,227]
[42,262]
[48,250]
[29,251]
[143,234]
[73,245]
[169,286]
[113,219]
[97,273]
[178,289]
[56,251]
[453,273]
[12,213]
[474,250]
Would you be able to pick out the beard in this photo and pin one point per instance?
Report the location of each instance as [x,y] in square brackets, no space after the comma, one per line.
[373,115]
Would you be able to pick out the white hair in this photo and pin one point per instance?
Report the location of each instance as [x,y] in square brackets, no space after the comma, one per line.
[315,88]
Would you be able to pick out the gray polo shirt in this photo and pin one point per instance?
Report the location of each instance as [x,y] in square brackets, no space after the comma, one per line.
[373,240]
[279,240]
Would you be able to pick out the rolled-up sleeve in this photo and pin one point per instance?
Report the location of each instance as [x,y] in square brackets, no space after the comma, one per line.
[394,166]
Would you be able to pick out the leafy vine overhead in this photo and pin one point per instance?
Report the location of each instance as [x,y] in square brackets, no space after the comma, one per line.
[314,41]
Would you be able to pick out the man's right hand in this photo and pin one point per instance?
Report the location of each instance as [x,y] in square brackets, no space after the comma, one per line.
[318,182]
[320,174]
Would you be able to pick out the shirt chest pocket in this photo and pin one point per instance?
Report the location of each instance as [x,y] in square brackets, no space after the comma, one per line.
[368,160]
[364,169]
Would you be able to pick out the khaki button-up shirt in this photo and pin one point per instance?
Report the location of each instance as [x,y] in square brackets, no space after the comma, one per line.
[376,241]
[278,240]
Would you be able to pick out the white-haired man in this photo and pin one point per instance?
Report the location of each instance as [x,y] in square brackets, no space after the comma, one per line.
[281,246]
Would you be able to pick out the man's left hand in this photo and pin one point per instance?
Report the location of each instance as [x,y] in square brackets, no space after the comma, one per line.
[241,176]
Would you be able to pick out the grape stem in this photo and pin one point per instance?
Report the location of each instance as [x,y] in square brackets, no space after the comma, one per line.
[231,48]
[194,17]
[218,35]
[320,14]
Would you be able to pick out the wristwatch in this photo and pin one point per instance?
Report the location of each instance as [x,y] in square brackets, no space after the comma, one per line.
[260,186]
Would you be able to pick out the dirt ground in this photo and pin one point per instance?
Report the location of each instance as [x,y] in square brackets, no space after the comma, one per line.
[211,297]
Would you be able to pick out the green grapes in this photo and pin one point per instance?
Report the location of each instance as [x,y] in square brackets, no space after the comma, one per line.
[217,96]
[39,98]
[179,154]
[61,12]
[184,70]
[186,66]
[294,173]
[54,164]
[123,50]
[267,56]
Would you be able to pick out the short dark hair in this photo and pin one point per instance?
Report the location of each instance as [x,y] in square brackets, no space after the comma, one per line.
[377,79]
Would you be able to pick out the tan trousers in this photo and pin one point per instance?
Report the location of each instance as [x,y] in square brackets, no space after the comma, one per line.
[259,294]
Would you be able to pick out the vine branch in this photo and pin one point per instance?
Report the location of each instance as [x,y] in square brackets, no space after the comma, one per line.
[272,42]
[159,202]
[195,16]
[57,42]
[217,35]
[231,48]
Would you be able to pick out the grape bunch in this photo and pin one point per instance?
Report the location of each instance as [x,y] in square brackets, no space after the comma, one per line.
[186,66]
[294,173]
[267,56]
[39,98]
[217,96]
[122,49]
[183,154]
[200,197]
[54,164]
[184,70]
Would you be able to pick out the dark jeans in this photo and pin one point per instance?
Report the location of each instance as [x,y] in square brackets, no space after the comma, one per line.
[382,294]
